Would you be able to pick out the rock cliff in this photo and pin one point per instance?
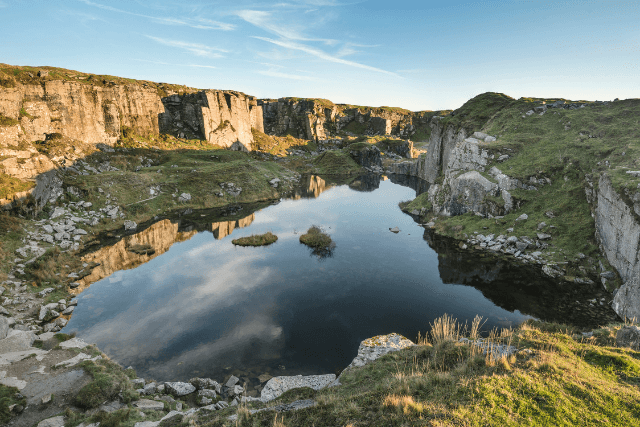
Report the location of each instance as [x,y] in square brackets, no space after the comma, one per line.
[618,231]
[320,119]
[96,114]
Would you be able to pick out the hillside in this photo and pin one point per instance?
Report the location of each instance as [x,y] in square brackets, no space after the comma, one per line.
[91,163]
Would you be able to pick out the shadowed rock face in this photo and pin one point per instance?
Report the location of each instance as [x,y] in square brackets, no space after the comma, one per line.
[517,287]
[618,230]
[318,119]
[222,118]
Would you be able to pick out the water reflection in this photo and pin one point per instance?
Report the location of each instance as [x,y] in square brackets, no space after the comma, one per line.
[520,287]
[208,308]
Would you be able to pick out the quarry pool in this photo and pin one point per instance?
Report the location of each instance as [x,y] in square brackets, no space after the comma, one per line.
[199,306]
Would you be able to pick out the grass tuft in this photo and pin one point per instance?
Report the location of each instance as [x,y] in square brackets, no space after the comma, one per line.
[256,240]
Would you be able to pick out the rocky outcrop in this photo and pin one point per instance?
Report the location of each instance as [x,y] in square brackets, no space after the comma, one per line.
[98,113]
[222,118]
[366,155]
[618,231]
[85,112]
[319,119]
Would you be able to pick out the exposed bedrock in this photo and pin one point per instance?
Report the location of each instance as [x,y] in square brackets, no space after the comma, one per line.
[618,231]
[316,119]
[97,114]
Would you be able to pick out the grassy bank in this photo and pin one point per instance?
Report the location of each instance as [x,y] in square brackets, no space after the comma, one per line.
[556,377]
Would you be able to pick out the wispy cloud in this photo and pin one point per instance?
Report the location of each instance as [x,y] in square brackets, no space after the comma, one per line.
[3,4]
[175,65]
[195,48]
[273,73]
[84,17]
[323,55]
[198,23]
[264,20]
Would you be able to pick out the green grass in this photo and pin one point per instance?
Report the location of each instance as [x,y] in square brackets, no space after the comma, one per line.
[475,112]
[256,240]
[7,398]
[557,380]
[334,162]
[109,379]
[10,185]
[278,145]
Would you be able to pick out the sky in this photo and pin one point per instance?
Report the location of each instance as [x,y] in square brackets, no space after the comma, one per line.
[419,55]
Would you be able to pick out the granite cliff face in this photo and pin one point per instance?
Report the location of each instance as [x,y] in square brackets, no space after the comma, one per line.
[618,231]
[99,114]
[86,111]
[318,119]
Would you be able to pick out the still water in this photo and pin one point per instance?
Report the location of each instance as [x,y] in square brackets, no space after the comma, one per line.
[204,307]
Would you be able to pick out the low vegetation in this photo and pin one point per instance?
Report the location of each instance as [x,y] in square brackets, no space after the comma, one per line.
[556,376]
[9,396]
[109,380]
[320,242]
[256,240]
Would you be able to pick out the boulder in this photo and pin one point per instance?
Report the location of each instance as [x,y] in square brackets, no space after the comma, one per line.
[628,336]
[233,380]
[205,383]
[52,422]
[179,388]
[278,385]
[376,347]
[211,394]
[184,197]
[130,225]
[149,405]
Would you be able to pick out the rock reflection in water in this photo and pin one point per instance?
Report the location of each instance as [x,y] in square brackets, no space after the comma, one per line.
[222,229]
[519,287]
[310,187]
[136,249]
[123,255]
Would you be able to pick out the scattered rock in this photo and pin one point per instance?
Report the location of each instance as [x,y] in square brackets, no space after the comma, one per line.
[149,405]
[184,197]
[130,225]
[394,230]
[233,380]
[543,236]
[179,388]
[522,217]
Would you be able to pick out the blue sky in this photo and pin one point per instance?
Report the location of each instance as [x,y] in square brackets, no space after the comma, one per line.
[417,55]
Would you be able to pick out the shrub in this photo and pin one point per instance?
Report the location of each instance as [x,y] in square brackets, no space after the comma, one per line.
[319,241]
